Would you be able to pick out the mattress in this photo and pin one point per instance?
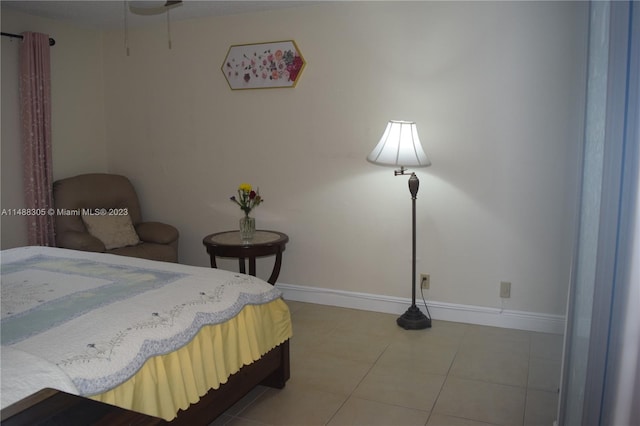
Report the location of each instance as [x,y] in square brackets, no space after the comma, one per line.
[144,335]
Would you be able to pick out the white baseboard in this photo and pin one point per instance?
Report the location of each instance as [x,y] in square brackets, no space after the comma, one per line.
[470,314]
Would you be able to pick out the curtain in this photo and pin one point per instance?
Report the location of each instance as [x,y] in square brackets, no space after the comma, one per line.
[601,362]
[35,108]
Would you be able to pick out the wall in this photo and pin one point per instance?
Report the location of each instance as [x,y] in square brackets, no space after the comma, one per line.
[497,91]
[78,128]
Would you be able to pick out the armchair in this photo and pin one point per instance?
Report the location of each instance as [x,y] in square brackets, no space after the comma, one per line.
[81,196]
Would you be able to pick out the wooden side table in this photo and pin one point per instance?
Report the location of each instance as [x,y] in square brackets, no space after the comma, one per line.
[264,243]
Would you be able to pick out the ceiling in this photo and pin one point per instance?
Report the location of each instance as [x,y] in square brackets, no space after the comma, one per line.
[108,15]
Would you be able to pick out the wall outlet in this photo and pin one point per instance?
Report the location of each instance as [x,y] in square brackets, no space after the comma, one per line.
[425,281]
[505,289]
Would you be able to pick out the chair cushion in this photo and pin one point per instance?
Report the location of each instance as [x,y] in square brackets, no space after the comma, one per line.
[161,252]
[156,232]
[113,230]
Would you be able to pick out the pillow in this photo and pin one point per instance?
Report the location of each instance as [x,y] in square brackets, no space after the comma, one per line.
[113,230]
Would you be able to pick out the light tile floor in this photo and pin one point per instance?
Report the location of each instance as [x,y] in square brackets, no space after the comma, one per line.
[352,367]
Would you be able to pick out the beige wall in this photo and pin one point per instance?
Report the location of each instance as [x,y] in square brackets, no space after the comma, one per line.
[496,90]
[78,116]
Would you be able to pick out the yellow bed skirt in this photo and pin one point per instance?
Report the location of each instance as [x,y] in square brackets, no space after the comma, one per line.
[167,383]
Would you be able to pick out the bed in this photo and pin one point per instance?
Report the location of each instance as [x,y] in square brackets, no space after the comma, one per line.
[172,341]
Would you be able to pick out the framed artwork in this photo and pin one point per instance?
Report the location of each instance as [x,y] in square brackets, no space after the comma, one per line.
[263,65]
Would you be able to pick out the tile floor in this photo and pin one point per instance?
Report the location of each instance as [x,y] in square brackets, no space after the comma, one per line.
[351,367]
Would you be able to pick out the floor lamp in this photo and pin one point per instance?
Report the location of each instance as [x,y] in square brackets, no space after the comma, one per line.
[400,147]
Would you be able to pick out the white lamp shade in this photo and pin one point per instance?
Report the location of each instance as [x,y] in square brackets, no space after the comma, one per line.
[399,146]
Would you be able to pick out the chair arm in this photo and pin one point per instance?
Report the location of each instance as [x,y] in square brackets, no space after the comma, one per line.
[156,232]
[80,241]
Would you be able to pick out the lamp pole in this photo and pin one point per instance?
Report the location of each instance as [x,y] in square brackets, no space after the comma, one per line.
[413,318]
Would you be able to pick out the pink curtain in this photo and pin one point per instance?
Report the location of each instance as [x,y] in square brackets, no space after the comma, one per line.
[35,107]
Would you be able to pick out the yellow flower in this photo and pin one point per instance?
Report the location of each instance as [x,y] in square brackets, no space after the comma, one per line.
[247,198]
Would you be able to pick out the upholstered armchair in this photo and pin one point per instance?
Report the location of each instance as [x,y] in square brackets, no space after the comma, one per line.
[101,212]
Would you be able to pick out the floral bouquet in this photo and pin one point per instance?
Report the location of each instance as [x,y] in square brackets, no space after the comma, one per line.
[247,198]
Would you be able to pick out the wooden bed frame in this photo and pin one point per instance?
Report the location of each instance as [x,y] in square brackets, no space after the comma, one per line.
[271,370]
[53,407]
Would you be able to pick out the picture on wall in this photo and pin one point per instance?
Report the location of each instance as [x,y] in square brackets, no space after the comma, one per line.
[263,65]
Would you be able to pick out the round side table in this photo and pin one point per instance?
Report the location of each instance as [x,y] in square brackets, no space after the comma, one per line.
[264,243]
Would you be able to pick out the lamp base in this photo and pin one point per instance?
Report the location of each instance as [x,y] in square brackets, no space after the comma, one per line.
[414,319]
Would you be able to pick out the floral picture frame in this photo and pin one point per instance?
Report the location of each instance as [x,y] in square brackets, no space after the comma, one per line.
[263,65]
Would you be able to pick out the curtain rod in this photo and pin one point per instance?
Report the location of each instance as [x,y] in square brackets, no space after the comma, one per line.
[51,41]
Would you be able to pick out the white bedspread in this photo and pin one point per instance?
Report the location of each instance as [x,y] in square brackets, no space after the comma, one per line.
[87,321]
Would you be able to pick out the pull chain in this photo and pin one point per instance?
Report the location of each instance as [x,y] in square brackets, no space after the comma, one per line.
[126,29]
[169,27]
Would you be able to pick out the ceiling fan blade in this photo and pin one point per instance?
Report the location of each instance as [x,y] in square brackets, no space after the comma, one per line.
[143,8]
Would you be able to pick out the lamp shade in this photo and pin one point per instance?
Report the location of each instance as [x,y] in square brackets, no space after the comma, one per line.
[399,146]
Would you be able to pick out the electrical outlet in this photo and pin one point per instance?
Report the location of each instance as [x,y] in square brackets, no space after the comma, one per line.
[505,289]
[425,281]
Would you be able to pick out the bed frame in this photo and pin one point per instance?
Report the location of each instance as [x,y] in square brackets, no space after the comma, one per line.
[53,407]
[271,370]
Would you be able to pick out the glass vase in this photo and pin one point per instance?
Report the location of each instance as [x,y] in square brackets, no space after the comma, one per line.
[247,228]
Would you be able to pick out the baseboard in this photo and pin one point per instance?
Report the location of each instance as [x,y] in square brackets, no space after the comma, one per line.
[470,314]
